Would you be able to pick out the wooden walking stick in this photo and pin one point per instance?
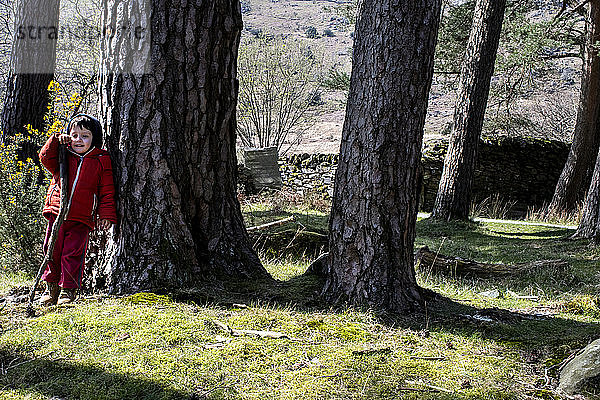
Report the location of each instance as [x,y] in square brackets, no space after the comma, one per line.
[62,213]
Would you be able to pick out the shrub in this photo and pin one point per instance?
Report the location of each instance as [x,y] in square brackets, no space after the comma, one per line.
[256,32]
[311,32]
[21,221]
[337,80]
[345,13]
[279,80]
[23,186]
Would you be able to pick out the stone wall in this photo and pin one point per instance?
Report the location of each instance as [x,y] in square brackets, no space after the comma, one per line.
[522,170]
[309,172]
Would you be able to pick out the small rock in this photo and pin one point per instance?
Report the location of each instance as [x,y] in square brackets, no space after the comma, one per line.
[492,294]
[583,367]
[481,318]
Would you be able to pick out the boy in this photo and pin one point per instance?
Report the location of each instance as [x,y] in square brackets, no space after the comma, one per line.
[90,192]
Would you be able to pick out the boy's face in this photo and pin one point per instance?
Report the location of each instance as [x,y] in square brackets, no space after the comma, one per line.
[81,139]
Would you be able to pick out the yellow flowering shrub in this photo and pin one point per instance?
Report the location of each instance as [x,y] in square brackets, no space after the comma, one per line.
[23,185]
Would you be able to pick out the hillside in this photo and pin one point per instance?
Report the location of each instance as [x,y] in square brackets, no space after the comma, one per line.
[546,106]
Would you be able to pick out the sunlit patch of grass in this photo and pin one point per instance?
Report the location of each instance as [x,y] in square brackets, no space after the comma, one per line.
[10,279]
[584,305]
[284,268]
[153,346]
[172,351]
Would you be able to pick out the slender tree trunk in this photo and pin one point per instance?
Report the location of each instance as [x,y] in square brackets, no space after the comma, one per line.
[171,136]
[454,193]
[589,226]
[32,62]
[373,216]
[577,172]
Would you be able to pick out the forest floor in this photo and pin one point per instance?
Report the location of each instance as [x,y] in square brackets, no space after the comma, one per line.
[492,338]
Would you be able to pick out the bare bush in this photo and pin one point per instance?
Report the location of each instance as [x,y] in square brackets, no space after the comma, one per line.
[279,81]
[554,116]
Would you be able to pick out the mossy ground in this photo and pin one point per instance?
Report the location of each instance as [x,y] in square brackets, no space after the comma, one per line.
[464,345]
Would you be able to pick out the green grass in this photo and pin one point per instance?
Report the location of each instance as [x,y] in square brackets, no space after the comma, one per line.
[9,279]
[113,349]
[170,347]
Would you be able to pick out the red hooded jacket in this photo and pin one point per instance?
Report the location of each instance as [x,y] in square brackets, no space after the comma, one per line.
[91,187]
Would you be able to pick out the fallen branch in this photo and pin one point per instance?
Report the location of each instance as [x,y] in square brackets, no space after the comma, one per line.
[250,332]
[441,389]
[426,259]
[523,297]
[428,358]
[270,224]
[205,394]
[409,389]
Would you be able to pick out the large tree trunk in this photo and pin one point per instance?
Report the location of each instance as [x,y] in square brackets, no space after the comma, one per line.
[589,226]
[372,224]
[577,172]
[454,193]
[171,135]
[32,62]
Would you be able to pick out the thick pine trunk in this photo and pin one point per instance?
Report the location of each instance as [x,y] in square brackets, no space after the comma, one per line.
[589,226]
[32,62]
[372,224]
[454,193]
[171,136]
[577,172]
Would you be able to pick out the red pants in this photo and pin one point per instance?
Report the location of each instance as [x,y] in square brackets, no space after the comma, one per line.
[68,257]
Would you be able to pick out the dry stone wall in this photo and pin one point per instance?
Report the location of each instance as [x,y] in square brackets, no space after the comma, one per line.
[309,172]
[521,170]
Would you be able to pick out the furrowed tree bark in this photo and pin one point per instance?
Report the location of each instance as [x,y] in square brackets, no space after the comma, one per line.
[171,135]
[32,63]
[374,210]
[577,172]
[589,226]
[453,198]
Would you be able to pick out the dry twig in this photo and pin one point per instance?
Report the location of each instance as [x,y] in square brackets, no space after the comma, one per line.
[250,332]
[441,389]
[270,224]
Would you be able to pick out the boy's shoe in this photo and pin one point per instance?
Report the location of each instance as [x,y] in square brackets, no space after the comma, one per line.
[67,296]
[50,297]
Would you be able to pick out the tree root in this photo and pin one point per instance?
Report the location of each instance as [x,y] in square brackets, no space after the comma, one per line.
[427,260]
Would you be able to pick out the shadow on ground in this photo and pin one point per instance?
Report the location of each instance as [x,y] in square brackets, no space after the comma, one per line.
[47,376]
[536,337]
[524,329]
